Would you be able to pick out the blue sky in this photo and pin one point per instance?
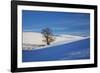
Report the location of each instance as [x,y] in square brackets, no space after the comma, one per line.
[59,22]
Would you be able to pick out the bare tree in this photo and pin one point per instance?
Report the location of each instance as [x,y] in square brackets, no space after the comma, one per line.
[48,35]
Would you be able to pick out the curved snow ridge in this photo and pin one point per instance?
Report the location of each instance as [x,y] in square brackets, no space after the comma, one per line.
[33,40]
[61,43]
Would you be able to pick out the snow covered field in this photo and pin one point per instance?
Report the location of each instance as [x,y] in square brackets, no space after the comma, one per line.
[33,40]
[77,50]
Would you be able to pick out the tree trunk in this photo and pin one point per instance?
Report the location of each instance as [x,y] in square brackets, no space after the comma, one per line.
[48,43]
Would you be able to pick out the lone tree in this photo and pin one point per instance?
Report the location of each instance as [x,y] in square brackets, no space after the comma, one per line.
[48,35]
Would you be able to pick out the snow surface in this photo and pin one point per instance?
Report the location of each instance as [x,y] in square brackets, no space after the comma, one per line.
[33,40]
[77,50]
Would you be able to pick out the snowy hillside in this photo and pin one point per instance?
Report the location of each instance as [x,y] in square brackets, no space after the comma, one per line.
[33,40]
[77,50]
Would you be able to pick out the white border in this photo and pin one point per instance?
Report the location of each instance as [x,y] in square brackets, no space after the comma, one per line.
[53,63]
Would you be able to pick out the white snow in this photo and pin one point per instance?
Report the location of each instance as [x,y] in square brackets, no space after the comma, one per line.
[33,40]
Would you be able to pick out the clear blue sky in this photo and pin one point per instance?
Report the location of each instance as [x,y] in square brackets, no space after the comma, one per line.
[59,22]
